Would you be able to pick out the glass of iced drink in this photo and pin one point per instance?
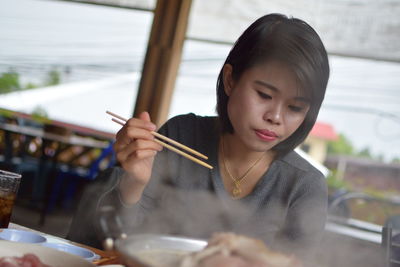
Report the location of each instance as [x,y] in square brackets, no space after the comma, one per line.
[9,183]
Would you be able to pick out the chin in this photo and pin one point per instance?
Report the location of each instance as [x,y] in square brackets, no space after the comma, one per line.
[261,146]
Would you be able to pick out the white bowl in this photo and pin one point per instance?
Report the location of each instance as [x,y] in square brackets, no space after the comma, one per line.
[157,250]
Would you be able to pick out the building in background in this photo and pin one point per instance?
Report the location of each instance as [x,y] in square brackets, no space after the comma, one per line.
[316,144]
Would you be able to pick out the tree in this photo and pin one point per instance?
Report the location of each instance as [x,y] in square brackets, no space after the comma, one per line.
[53,78]
[365,153]
[9,81]
[342,146]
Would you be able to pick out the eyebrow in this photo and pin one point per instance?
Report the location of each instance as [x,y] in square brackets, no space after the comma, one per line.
[275,89]
[268,85]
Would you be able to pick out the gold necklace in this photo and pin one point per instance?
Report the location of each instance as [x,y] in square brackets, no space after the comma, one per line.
[237,190]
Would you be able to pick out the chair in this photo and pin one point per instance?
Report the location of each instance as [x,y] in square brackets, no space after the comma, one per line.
[85,227]
[72,175]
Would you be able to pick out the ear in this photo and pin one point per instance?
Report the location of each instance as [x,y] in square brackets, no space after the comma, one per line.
[228,80]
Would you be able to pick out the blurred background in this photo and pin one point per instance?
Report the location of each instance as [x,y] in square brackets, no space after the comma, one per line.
[64,63]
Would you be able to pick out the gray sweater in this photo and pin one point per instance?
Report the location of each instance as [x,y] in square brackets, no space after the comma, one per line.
[287,208]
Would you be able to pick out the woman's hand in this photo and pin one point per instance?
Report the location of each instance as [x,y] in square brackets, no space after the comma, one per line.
[135,151]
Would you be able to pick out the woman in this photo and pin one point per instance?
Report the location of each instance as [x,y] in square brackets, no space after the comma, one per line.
[269,92]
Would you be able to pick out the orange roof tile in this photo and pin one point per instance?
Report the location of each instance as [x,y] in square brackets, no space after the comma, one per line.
[323,131]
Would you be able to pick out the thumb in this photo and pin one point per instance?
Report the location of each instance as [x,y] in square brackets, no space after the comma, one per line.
[144,116]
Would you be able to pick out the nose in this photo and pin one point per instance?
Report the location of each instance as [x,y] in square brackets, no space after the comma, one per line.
[274,114]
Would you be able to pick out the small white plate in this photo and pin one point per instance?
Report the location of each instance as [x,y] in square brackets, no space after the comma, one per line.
[47,255]
[79,251]
[21,236]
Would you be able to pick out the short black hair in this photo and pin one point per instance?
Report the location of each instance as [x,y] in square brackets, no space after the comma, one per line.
[292,42]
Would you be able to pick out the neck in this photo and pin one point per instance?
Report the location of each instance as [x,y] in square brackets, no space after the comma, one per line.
[237,152]
[240,166]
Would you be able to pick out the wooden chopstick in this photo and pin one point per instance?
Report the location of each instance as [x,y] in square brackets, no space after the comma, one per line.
[194,152]
[173,149]
[183,154]
[120,120]
[111,259]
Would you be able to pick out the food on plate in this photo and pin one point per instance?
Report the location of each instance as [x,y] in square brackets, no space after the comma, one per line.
[228,249]
[28,260]
[161,257]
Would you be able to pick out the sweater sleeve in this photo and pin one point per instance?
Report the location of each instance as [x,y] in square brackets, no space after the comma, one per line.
[116,216]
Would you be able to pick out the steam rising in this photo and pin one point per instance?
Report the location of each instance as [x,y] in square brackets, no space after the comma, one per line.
[199,214]
[196,214]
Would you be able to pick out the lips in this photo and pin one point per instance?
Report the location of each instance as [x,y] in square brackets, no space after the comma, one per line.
[266,135]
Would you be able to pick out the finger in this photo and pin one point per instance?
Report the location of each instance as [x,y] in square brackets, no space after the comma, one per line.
[142,123]
[127,134]
[136,156]
[145,116]
[135,146]
[140,145]
[143,154]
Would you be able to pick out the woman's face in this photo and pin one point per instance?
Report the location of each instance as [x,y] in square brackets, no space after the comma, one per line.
[265,104]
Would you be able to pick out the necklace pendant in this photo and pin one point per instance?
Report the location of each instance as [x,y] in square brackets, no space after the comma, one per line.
[236,192]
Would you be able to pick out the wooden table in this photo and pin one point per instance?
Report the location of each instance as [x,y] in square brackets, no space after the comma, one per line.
[106,257]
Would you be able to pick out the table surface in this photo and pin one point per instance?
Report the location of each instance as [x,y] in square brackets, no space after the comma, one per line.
[106,257]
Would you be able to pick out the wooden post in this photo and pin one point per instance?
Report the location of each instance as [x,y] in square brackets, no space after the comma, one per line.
[162,60]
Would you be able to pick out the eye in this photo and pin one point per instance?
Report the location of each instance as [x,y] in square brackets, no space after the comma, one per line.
[264,95]
[296,108]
